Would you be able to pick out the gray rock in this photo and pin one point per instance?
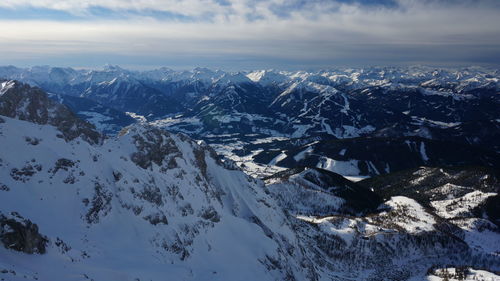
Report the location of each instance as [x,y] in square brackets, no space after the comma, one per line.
[21,235]
[154,146]
[27,103]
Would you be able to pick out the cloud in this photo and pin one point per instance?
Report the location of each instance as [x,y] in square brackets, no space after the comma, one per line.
[232,10]
[185,7]
[229,9]
[243,33]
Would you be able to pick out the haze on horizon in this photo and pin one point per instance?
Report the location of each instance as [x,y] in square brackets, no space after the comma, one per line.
[249,34]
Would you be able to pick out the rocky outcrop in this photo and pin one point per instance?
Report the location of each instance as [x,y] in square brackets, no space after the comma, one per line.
[153,146]
[23,102]
[21,235]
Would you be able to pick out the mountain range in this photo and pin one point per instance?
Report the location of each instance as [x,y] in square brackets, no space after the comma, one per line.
[347,174]
[446,108]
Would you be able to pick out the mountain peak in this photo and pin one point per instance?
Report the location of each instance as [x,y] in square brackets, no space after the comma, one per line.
[23,102]
[234,78]
[268,77]
[113,68]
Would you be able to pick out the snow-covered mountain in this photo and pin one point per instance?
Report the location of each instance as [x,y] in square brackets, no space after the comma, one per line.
[258,117]
[148,204]
[416,89]
[418,224]
[23,102]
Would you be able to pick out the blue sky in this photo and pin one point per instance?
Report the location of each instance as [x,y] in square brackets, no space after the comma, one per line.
[249,34]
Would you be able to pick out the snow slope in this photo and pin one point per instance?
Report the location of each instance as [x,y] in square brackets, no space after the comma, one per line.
[149,205]
[108,218]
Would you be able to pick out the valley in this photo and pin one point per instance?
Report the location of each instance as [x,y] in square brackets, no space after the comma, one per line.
[383,173]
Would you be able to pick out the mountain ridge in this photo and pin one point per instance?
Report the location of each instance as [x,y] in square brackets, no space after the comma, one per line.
[147,202]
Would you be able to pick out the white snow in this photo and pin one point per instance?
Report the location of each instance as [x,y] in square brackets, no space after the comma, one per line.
[5,86]
[412,216]
[300,130]
[348,168]
[455,207]
[267,77]
[356,178]
[278,158]
[303,154]
[136,116]
[479,234]
[472,275]
[122,244]
[423,153]
[455,96]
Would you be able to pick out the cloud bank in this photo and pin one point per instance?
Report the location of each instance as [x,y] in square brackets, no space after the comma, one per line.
[249,33]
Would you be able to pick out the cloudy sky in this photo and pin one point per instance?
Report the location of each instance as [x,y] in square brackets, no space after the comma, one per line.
[249,34]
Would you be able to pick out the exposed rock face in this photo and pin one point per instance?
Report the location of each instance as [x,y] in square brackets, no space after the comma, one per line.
[21,235]
[100,205]
[153,146]
[23,102]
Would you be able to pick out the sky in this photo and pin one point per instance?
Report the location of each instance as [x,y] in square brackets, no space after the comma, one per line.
[249,34]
